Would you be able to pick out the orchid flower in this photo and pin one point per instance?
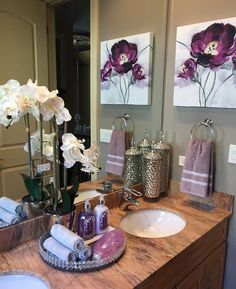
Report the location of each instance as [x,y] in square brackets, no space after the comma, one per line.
[27,100]
[74,151]
[47,144]
[90,158]
[9,106]
[54,106]
[9,111]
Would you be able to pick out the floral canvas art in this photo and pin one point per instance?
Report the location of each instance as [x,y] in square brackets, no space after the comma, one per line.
[126,70]
[205,64]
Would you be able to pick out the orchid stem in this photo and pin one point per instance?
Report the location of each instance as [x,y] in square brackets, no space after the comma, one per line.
[27,126]
[64,168]
[41,144]
[55,166]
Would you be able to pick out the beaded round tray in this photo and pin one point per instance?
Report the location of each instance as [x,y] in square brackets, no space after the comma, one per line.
[72,266]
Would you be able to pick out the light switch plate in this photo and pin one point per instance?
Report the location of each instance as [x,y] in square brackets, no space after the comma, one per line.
[232,154]
[105,135]
[181,160]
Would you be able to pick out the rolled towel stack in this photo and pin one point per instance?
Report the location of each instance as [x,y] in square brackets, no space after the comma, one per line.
[67,245]
[11,212]
[59,250]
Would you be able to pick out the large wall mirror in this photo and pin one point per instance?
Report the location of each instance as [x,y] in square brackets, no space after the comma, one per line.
[26,53]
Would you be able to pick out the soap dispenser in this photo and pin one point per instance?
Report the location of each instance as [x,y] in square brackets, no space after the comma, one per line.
[101,216]
[86,222]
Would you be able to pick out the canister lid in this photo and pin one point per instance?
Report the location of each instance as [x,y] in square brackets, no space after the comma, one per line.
[161,146]
[152,156]
[133,151]
[145,143]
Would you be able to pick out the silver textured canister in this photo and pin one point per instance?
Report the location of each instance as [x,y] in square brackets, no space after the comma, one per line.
[164,150]
[132,169]
[151,174]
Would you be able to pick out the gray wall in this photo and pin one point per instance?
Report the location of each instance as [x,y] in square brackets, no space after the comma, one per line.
[123,18]
[119,18]
[178,121]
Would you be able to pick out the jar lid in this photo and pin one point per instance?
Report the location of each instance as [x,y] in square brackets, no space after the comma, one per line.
[152,156]
[145,143]
[132,152]
[161,146]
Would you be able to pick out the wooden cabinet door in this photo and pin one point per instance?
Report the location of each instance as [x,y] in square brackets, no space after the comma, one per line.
[208,274]
[23,55]
[193,280]
[214,269]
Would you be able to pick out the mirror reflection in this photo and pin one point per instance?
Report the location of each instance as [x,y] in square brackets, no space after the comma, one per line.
[72,53]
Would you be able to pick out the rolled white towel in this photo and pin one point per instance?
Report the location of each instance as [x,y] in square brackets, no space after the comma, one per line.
[85,253]
[11,206]
[3,224]
[8,217]
[59,250]
[67,237]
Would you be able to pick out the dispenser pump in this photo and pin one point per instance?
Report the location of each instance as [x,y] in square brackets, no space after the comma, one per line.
[102,200]
[87,205]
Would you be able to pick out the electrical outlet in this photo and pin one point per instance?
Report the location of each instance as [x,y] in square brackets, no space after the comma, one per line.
[44,167]
[181,160]
[105,135]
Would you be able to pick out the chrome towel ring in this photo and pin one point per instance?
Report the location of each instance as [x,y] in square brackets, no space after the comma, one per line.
[124,119]
[208,123]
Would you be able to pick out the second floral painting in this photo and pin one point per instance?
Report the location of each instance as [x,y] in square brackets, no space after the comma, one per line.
[205,64]
[126,65]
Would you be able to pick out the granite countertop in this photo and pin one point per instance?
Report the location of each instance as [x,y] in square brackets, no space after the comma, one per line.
[142,258]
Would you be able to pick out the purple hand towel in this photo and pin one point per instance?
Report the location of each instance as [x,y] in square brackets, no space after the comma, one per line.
[116,151]
[197,176]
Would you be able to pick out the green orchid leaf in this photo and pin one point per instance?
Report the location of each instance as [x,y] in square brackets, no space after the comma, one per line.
[66,201]
[68,197]
[33,188]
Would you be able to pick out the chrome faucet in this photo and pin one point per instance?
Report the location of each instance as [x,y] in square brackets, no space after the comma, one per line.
[126,199]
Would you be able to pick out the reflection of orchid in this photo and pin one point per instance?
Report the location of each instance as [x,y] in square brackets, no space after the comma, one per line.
[74,151]
[211,50]
[18,101]
[122,69]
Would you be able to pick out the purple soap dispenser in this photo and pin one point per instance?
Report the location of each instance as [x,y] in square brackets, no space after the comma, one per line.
[86,222]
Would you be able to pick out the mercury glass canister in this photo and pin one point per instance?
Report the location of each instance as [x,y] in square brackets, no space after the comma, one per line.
[164,150]
[132,169]
[151,174]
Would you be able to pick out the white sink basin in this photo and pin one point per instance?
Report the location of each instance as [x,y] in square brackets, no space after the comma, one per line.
[152,223]
[21,279]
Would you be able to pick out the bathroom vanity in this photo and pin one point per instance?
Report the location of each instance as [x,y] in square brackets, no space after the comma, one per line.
[192,258]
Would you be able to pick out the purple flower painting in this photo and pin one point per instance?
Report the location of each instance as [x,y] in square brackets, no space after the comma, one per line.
[205,64]
[125,72]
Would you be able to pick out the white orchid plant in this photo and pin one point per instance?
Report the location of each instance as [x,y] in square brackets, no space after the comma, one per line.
[18,101]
